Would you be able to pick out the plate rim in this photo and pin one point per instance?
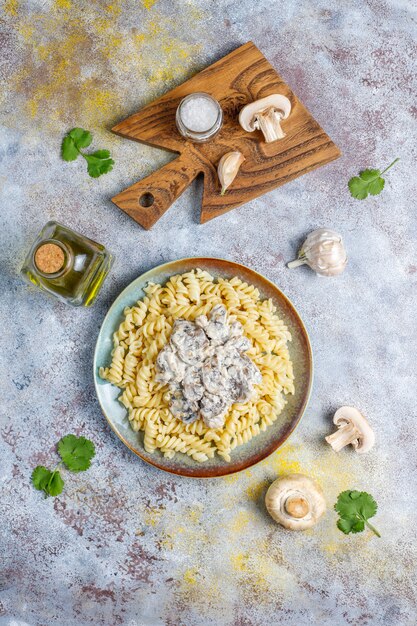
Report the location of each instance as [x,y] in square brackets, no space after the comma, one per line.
[245,465]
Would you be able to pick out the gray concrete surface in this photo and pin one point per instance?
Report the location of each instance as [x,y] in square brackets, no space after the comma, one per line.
[126,544]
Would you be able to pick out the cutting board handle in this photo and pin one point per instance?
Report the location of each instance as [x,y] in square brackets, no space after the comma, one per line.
[147,200]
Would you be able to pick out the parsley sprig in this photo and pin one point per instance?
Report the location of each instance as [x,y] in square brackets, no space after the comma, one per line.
[76,454]
[98,162]
[368,182]
[355,508]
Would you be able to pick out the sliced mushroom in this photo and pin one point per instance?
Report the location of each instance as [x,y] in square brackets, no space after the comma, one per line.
[266,115]
[353,429]
[295,501]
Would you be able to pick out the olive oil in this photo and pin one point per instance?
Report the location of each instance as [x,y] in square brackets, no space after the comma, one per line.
[67,265]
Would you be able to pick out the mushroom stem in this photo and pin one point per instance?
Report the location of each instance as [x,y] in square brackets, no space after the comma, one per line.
[343,436]
[297,506]
[269,122]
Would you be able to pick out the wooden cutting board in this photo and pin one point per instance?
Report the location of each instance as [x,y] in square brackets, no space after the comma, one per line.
[238,78]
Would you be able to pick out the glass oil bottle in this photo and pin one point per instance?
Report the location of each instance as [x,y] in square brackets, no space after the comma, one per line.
[67,265]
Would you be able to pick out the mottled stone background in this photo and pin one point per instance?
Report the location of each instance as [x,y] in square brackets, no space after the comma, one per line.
[125,543]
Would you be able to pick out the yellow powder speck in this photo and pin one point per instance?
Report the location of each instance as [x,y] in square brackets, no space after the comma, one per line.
[239,562]
[32,107]
[284,461]
[155,28]
[11,7]
[148,4]
[256,489]
[153,516]
[113,42]
[139,38]
[240,521]
[26,31]
[190,576]
[166,542]
[232,478]
[63,4]
[194,515]
[114,9]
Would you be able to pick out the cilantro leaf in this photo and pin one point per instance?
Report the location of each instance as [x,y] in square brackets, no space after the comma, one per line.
[358,526]
[345,524]
[376,186]
[369,181]
[101,154]
[98,165]
[76,452]
[69,150]
[370,175]
[81,137]
[41,477]
[45,480]
[55,485]
[355,508]
[98,162]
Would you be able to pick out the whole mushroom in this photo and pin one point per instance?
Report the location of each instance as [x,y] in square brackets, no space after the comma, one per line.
[295,501]
[266,115]
[353,429]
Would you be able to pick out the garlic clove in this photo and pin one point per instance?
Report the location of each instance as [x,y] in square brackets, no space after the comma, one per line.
[324,252]
[228,168]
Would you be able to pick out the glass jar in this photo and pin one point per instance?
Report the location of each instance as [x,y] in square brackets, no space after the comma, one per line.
[199,117]
[67,265]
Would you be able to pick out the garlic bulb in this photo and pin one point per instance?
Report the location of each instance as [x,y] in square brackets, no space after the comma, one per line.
[228,168]
[295,501]
[324,252]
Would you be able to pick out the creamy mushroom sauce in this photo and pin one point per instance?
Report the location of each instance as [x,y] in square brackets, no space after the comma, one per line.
[206,367]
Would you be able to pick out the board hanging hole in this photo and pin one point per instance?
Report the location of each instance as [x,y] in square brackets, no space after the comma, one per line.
[147,199]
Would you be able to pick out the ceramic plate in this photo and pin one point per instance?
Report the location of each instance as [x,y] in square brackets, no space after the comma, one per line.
[259,447]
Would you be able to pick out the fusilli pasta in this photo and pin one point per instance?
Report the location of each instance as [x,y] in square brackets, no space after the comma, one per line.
[146,329]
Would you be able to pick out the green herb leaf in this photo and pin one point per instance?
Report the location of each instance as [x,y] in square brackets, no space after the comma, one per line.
[98,162]
[100,154]
[81,137]
[345,524]
[55,485]
[98,165]
[376,186]
[355,508]
[45,480]
[369,181]
[69,151]
[76,452]
[41,477]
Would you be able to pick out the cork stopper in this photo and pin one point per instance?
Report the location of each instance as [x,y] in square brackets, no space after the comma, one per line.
[49,258]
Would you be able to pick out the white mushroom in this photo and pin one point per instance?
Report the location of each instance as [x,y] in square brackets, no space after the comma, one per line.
[266,115]
[353,429]
[295,501]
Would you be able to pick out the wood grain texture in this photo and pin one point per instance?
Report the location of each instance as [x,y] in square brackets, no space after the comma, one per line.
[240,77]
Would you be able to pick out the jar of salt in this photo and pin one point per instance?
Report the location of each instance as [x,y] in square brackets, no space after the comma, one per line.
[199,117]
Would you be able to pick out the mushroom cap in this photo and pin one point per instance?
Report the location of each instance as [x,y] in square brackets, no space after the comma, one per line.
[350,415]
[276,100]
[295,501]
